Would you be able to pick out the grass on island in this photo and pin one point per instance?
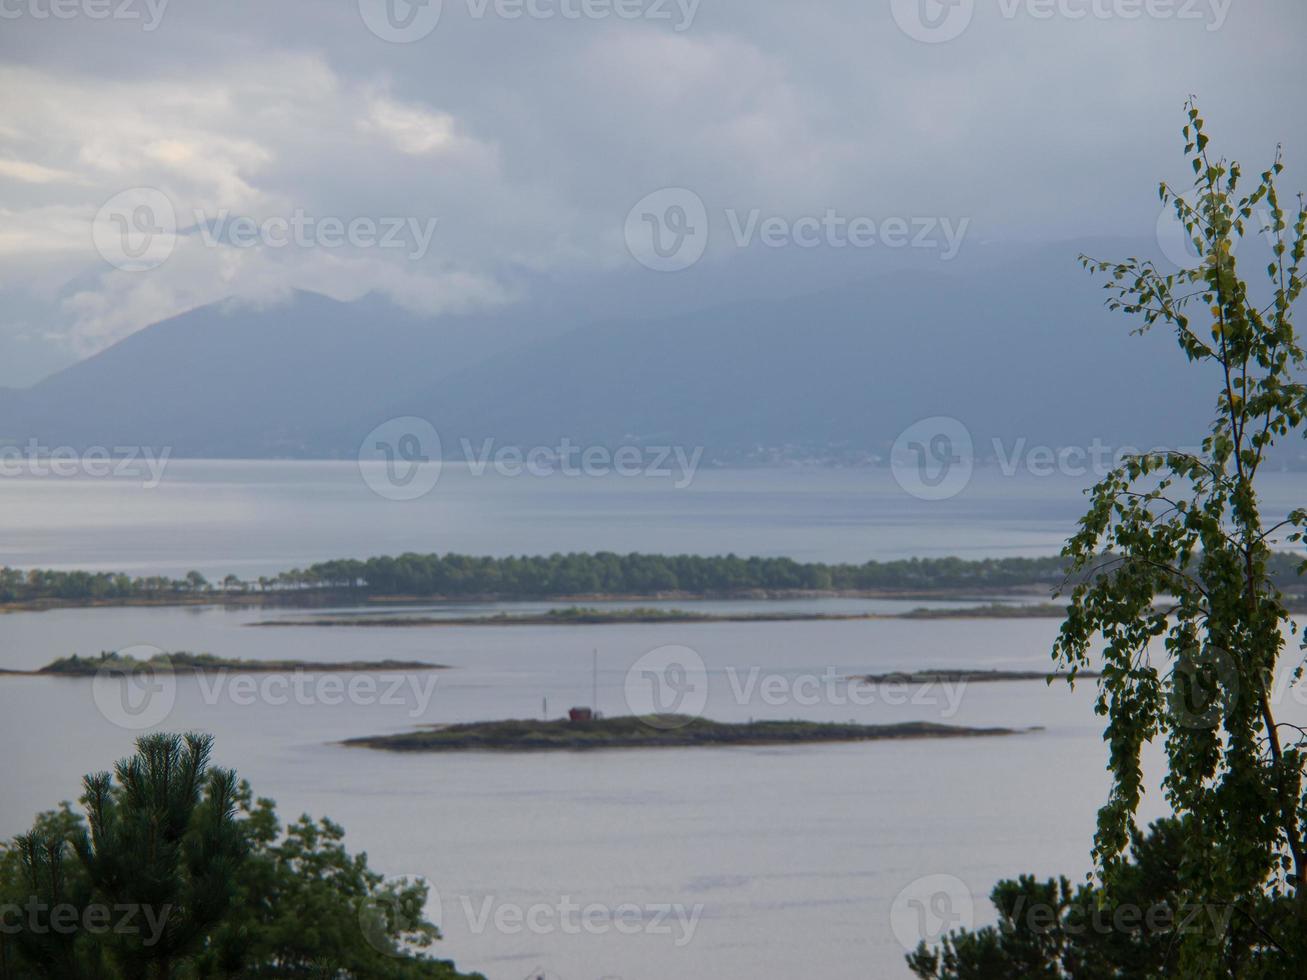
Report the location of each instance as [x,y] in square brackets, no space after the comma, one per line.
[659,731]
[202,663]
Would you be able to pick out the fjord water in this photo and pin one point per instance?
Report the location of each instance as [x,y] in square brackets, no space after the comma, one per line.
[260,518]
[790,859]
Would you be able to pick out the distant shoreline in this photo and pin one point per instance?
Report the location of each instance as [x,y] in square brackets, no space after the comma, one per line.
[994,609]
[333,598]
[577,579]
[579,616]
[189,663]
[963,676]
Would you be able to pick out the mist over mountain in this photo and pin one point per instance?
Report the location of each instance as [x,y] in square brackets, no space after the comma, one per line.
[1019,351]
[242,381]
[1015,343]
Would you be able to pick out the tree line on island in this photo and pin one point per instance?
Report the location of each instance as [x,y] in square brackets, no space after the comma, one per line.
[601,574]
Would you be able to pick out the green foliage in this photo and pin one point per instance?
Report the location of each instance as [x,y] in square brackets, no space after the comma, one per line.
[607,574]
[306,907]
[1173,571]
[1047,929]
[162,835]
[175,873]
[36,877]
[1197,672]
[613,575]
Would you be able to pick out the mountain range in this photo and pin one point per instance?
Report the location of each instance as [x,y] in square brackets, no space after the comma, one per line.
[1016,344]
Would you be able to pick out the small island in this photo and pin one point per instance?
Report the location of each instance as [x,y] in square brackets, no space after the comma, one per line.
[660,731]
[207,663]
[968,676]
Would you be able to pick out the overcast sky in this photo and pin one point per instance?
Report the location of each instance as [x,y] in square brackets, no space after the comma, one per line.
[528,139]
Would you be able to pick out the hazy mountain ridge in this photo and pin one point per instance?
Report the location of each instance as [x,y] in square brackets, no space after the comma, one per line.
[1033,358]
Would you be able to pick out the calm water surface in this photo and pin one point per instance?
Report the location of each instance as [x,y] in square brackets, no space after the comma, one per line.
[794,857]
[260,518]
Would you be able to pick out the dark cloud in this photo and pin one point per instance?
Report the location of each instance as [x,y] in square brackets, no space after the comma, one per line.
[528,139]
